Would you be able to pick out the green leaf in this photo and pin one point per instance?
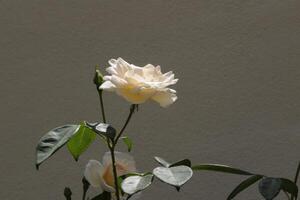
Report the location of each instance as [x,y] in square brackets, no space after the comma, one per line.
[52,141]
[134,184]
[289,187]
[185,162]
[68,193]
[220,168]
[81,141]
[128,143]
[162,161]
[269,187]
[175,176]
[120,180]
[243,185]
[102,129]
[103,196]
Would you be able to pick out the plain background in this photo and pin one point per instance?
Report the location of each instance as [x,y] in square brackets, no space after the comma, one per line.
[239,101]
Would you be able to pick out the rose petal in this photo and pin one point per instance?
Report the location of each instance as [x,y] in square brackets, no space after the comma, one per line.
[165,98]
[93,172]
[168,74]
[136,95]
[108,86]
[118,81]
[123,159]
[107,187]
[158,69]
[122,66]
[112,62]
[112,71]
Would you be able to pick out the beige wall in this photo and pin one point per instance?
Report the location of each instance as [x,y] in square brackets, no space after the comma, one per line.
[239,102]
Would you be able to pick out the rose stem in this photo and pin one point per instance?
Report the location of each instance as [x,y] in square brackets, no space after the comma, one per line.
[111,148]
[112,152]
[102,105]
[132,108]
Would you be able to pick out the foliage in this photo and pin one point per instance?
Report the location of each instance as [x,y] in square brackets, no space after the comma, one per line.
[79,136]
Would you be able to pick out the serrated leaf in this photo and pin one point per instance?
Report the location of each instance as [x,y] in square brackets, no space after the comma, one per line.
[54,140]
[161,161]
[269,187]
[128,143]
[175,176]
[244,185]
[220,168]
[185,162]
[81,141]
[289,187]
[134,184]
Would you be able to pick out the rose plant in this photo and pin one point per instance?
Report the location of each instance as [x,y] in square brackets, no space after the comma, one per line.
[116,177]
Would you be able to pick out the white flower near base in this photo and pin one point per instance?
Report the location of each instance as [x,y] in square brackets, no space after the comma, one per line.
[139,84]
[100,175]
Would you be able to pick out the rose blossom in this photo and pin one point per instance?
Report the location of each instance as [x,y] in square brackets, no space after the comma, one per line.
[101,175]
[139,84]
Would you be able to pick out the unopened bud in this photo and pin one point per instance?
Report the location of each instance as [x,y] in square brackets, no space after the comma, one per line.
[98,78]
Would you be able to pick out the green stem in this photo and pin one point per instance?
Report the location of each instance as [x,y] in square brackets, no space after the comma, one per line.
[102,105]
[111,148]
[132,108]
[112,152]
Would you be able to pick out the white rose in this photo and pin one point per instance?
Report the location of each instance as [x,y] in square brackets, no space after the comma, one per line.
[101,175]
[139,84]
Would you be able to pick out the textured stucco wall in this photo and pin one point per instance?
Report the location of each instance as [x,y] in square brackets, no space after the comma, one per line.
[239,102]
